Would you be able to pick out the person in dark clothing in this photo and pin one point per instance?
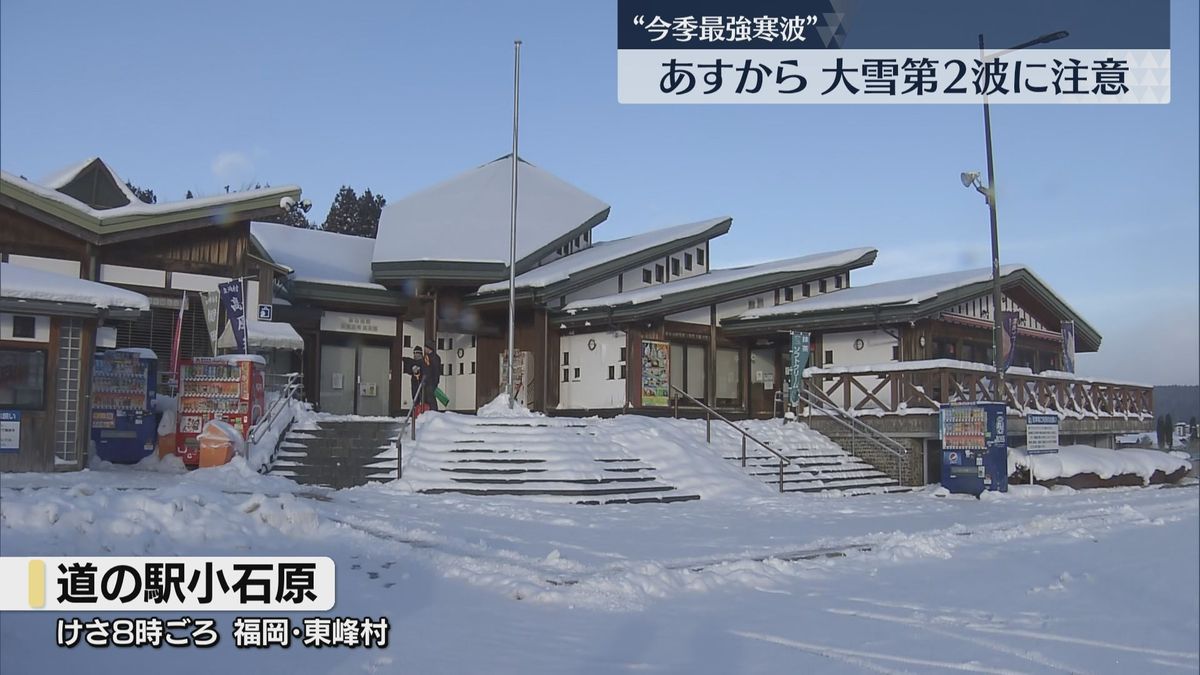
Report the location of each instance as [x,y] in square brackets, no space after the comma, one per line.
[416,368]
[432,373]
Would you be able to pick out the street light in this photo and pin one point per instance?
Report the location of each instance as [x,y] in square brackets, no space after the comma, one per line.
[971,179]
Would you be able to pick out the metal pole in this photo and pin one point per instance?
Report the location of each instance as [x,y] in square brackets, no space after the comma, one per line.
[512,233]
[997,323]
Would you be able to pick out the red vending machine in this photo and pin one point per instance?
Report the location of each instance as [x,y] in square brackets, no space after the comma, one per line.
[228,388]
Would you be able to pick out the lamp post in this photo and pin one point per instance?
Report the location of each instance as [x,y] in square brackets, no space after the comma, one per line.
[970,179]
[512,233]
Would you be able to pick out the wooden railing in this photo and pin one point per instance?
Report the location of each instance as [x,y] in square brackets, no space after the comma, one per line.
[901,387]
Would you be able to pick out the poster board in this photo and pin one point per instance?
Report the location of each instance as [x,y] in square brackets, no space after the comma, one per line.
[656,373]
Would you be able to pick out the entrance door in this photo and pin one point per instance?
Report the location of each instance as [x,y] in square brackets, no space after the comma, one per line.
[373,373]
[337,379]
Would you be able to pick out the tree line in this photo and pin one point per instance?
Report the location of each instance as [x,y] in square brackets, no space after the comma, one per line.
[351,212]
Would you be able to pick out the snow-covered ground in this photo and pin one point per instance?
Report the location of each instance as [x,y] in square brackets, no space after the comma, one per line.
[1033,581]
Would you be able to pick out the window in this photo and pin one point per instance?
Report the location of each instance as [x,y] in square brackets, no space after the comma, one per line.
[566,374]
[822,286]
[687,261]
[462,368]
[622,359]
[576,374]
[674,267]
[788,295]
[472,341]
[23,385]
[24,326]
[759,302]
[407,341]
[450,344]
[441,343]
[700,256]
[750,303]
[646,278]
[895,352]
[472,367]
[612,372]
[623,372]
[806,290]
[837,281]
[66,390]
[658,273]
[566,358]
[828,357]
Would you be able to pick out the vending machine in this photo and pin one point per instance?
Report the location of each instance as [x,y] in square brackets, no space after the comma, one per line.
[227,388]
[124,428]
[974,447]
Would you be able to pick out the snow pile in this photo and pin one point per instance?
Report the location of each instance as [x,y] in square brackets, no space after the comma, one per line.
[1073,460]
[498,407]
[26,283]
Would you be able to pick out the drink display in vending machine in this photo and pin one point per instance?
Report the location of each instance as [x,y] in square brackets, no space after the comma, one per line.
[226,388]
[124,428]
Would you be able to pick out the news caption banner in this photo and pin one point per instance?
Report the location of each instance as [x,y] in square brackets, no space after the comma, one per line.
[883,51]
[189,587]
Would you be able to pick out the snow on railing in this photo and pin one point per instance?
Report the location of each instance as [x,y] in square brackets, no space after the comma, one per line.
[922,386]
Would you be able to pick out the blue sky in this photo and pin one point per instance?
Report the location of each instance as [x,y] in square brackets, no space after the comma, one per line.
[1100,200]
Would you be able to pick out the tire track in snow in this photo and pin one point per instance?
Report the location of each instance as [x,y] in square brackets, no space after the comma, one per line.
[859,656]
[1081,641]
[1026,655]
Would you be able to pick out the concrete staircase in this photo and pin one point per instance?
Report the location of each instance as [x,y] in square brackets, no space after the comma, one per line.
[338,454]
[545,458]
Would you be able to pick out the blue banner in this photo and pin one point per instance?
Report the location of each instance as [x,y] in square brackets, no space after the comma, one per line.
[1068,339]
[235,309]
[798,362]
[1008,339]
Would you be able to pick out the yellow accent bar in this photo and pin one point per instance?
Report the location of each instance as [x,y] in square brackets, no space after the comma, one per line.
[37,584]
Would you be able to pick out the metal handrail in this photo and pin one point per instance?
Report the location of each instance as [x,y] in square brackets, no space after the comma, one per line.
[411,423]
[817,400]
[710,413]
[289,390]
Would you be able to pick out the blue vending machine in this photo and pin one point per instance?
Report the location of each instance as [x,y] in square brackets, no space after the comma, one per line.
[124,427]
[974,447]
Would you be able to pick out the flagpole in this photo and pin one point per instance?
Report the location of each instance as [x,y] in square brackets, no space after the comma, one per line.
[512,234]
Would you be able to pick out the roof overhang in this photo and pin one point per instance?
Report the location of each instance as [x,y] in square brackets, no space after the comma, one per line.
[672,303]
[85,224]
[599,272]
[69,309]
[345,294]
[886,314]
[438,271]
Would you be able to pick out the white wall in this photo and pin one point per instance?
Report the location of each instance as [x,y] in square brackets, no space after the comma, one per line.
[877,347]
[68,268]
[732,308]
[458,372]
[587,384]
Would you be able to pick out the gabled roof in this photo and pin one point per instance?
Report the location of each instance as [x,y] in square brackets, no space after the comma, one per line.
[32,289]
[719,285]
[458,230]
[94,183]
[910,299]
[59,204]
[605,258]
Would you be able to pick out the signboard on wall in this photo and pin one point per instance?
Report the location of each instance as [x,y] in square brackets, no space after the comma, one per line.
[1041,434]
[656,373]
[798,361]
[10,430]
[367,324]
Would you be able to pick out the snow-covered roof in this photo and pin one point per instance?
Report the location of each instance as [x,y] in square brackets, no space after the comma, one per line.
[723,276]
[60,178]
[603,252]
[265,335]
[886,293]
[466,218]
[316,256]
[26,283]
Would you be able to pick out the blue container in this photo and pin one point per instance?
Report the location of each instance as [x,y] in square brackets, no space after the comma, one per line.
[124,426]
[974,448]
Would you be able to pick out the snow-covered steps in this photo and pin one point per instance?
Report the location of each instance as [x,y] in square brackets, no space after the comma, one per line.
[818,464]
[339,453]
[543,458]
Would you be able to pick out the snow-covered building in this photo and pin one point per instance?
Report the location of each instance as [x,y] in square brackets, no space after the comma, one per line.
[49,324]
